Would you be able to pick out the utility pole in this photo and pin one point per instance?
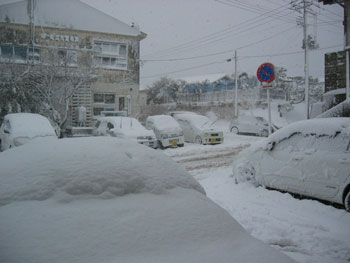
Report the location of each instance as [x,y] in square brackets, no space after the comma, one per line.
[306,62]
[236,86]
[30,11]
[309,42]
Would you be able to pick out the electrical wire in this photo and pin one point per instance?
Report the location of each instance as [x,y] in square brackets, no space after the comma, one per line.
[217,34]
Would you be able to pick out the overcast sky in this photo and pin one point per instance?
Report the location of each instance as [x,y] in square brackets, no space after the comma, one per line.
[196,37]
[201,28]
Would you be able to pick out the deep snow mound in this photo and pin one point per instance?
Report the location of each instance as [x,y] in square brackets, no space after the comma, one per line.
[70,169]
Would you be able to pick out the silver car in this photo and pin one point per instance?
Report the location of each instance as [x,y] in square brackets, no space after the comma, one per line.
[125,127]
[310,158]
[251,125]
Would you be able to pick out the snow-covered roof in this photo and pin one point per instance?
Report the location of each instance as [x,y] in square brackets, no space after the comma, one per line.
[319,127]
[71,14]
[210,77]
[164,122]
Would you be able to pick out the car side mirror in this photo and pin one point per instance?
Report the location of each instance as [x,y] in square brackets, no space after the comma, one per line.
[7,131]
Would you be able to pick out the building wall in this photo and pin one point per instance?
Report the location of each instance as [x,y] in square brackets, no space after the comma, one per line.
[79,47]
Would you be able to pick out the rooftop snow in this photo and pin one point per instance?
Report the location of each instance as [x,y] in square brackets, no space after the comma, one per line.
[72,14]
[211,78]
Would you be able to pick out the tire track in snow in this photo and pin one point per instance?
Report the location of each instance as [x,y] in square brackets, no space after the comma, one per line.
[214,158]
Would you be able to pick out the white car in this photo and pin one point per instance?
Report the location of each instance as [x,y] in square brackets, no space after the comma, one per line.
[251,125]
[20,128]
[198,128]
[104,199]
[167,130]
[310,158]
[125,127]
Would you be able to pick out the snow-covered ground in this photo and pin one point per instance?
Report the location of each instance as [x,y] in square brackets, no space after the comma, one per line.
[306,230]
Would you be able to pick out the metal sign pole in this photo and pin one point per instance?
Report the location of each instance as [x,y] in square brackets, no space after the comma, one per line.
[269,109]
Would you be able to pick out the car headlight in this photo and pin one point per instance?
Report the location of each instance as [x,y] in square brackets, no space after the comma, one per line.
[164,136]
[206,134]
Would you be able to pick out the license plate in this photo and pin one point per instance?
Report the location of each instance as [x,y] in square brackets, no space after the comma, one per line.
[174,143]
[213,139]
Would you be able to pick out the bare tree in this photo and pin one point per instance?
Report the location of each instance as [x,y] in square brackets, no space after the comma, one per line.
[16,94]
[57,81]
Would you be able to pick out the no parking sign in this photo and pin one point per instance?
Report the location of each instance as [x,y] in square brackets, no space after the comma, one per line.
[266,74]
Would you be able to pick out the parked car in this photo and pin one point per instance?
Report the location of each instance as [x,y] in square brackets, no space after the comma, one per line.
[309,158]
[125,127]
[20,128]
[251,125]
[167,130]
[198,128]
[103,199]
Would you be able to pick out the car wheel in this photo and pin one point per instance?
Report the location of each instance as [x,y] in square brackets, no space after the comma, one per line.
[264,133]
[347,202]
[198,139]
[234,129]
[161,145]
[180,145]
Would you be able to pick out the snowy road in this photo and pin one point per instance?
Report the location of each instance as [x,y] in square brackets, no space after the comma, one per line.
[213,157]
[306,230]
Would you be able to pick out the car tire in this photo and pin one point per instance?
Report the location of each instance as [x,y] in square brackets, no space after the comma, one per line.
[180,145]
[198,139]
[264,133]
[234,130]
[160,145]
[347,201]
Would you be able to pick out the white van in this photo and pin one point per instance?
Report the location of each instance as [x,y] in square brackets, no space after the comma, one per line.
[168,132]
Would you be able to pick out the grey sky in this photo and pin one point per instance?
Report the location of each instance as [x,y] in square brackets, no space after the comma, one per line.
[195,28]
[210,31]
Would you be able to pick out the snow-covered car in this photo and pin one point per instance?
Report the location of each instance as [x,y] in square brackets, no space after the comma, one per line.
[251,125]
[310,158]
[102,199]
[167,130]
[198,128]
[125,127]
[20,128]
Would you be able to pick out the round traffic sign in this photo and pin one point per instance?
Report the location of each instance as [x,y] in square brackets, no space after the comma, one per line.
[266,73]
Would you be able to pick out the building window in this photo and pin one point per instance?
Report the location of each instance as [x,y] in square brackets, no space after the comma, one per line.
[67,57]
[20,53]
[121,103]
[106,98]
[110,55]
[98,110]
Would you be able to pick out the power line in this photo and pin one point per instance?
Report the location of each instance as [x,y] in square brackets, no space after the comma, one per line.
[241,57]
[217,53]
[257,9]
[215,40]
[214,35]
[181,70]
